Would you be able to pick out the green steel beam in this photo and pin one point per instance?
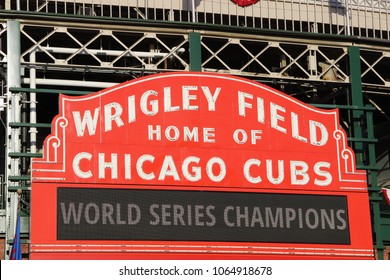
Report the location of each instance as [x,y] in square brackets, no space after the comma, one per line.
[20,178]
[41,125]
[365,140]
[346,107]
[367,167]
[16,155]
[195,52]
[365,152]
[374,191]
[385,221]
[23,188]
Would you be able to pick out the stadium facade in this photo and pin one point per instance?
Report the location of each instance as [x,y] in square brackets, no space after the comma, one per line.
[330,54]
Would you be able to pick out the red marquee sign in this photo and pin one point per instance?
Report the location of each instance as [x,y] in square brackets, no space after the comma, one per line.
[189,163]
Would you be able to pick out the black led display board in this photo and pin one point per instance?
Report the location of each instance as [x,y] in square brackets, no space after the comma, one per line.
[178,215]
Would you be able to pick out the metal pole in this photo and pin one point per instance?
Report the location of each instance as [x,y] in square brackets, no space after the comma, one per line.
[147,9]
[13,134]
[33,104]
[358,129]
[193,11]
[195,51]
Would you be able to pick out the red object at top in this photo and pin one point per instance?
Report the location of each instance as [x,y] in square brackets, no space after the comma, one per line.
[244,3]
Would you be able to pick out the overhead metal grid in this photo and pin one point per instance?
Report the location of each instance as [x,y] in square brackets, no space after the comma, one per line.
[367,18]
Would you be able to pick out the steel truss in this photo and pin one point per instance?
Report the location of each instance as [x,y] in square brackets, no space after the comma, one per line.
[112,51]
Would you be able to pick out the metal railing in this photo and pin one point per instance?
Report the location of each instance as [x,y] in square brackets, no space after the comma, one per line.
[365,18]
